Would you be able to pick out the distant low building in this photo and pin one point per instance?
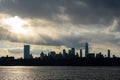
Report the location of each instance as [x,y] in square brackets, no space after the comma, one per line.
[58,56]
[7,58]
[52,54]
[91,55]
[99,55]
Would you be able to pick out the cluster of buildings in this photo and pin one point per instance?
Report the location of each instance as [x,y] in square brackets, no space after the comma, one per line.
[68,54]
[64,58]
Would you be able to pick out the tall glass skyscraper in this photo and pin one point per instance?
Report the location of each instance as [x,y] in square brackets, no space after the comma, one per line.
[80,53]
[26,51]
[108,53]
[86,49]
[73,51]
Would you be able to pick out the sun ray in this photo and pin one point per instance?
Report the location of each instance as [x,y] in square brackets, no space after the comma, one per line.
[16,25]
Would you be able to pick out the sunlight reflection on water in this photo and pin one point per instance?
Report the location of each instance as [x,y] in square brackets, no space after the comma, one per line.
[58,73]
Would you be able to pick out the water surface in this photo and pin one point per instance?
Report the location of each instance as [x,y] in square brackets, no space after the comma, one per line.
[58,73]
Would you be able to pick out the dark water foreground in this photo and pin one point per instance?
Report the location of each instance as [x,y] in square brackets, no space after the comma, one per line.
[58,73]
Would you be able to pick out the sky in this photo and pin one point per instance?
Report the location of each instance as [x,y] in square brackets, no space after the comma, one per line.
[57,24]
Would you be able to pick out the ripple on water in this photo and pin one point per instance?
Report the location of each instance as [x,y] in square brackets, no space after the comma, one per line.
[59,73]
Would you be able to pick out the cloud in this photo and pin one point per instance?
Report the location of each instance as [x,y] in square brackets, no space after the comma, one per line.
[115,26]
[48,33]
[63,22]
[15,51]
[75,11]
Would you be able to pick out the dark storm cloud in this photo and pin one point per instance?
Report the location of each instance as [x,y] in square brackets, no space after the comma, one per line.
[79,11]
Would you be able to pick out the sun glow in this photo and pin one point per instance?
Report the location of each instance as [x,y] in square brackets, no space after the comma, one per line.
[16,24]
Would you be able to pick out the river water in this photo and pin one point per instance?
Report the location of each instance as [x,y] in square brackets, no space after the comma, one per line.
[58,73]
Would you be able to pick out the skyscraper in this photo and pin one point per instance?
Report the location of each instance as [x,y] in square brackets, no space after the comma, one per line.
[26,51]
[42,55]
[108,53]
[80,53]
[86,49]
[64,53]
[73,51]
[69,52]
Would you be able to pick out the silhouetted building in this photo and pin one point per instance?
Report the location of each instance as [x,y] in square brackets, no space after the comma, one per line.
[26,51]
[42,55]
[86,49]
[108,53]
[73,51]
[105,56]
[64,53]
[58,56]
[80,53]
[91,55]
[99,55]
[30,56]
[114,56]
[52,54]
[7,58]
[69,52]
[77,55]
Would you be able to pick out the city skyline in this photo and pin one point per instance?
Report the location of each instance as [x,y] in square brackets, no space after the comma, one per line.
[64,58]
[57,25]
[71,52]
